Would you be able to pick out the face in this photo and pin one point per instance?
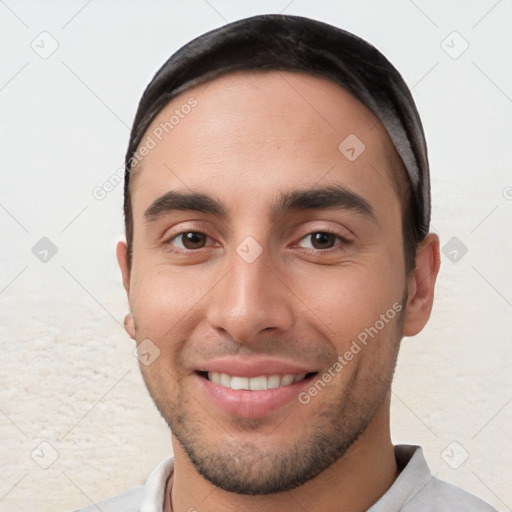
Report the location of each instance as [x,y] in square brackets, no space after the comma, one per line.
[268,271]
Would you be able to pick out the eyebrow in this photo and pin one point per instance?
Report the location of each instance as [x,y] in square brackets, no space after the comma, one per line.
[334,196]
[174,200]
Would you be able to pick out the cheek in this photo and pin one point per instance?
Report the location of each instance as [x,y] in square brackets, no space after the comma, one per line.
[163,299]
[349,301]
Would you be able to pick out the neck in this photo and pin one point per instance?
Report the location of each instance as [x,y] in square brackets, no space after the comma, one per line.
[354,482]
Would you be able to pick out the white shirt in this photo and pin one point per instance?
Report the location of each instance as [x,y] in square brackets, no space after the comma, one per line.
[415,490]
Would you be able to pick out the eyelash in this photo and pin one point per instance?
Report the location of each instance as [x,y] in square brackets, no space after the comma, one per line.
[344,241]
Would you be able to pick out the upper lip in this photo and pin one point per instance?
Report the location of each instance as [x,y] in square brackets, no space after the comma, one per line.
[253,367]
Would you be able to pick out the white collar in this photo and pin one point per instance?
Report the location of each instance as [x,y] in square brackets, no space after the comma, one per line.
[154,488]
[415,474]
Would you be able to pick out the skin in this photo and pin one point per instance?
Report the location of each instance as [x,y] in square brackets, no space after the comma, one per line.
[251,137]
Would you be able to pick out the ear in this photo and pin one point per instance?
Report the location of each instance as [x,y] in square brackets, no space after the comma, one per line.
[122,259]
[420,291]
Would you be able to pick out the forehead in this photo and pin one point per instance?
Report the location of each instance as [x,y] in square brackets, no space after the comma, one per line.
[257,122]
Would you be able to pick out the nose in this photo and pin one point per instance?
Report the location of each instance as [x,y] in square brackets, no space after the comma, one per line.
[251,298]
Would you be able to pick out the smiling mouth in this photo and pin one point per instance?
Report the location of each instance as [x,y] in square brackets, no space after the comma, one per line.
[258,383]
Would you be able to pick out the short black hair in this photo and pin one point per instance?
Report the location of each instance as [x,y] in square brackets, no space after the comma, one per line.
[295,43]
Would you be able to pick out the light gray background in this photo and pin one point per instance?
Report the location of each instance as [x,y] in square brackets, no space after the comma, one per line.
[68,376]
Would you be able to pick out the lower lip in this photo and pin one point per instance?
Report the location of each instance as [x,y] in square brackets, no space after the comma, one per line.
[251,404]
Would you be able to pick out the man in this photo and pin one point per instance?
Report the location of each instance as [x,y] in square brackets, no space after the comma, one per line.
[277,208]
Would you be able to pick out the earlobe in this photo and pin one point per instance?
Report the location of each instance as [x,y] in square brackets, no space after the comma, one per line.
[129,324]
[421,286]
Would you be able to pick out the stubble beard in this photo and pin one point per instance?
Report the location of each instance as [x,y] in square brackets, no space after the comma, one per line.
[244,468]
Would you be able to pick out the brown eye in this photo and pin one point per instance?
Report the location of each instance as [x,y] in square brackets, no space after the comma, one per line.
[323,240]
[190,240]
[319,240]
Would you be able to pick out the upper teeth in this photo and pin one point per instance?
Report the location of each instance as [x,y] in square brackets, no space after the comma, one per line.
[254,383]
